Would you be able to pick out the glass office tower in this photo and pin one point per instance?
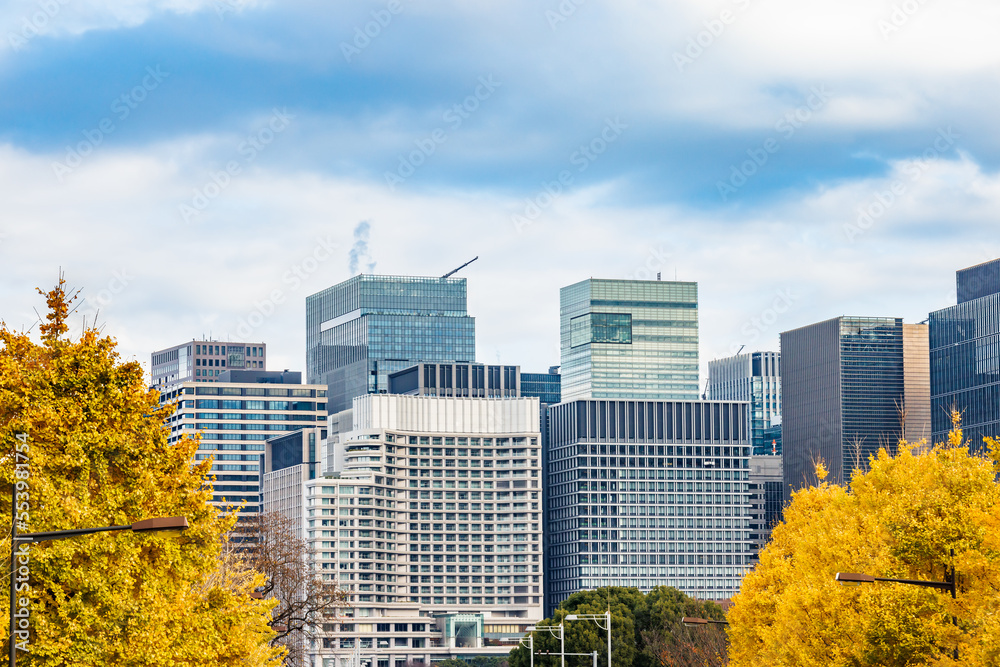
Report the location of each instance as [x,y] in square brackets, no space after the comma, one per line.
[629,339]
[850,386]
[754,377]
[965,357]
[361,330]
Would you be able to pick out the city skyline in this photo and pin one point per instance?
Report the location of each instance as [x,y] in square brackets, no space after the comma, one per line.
[762,330]
[200,166]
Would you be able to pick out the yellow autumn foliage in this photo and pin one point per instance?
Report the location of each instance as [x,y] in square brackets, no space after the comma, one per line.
[900,519]
[98,456]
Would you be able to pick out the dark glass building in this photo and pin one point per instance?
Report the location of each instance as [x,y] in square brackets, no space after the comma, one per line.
[463,380]
[754,377]
[648,493]
[360,331]
[850,386]
[546,386]
[772,440]
[965,357]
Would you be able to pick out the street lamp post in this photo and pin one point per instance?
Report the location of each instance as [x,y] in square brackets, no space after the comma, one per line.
[562,639]
[597,618]
[951,584]
[694,621]
[146,526]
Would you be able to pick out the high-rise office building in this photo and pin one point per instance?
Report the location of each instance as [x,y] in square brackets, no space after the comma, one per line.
[629,339]
[204,361]
[965,357]
[648,493]
[360,331]
[754,377]
[850,385]
[235,415]
[432,526]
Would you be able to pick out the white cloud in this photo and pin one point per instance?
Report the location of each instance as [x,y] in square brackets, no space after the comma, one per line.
[114,227]
[21,21]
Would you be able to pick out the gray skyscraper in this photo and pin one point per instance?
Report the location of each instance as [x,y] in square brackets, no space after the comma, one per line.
[648,493]
[850,385]
[754,377]
[623,339]
[965,356]
[361,330]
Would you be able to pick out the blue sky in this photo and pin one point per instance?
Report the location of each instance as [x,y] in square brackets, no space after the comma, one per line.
[187,162]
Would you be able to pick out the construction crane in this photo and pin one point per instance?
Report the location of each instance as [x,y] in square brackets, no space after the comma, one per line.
[451,273]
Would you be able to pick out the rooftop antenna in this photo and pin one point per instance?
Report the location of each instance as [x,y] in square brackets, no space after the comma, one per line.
[451,273]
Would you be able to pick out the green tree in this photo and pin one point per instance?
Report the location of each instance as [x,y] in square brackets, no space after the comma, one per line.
[635,617]
[899,519]
[97,455]
[667,643]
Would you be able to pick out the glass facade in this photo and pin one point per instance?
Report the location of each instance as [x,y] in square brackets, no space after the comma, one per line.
[772,440]
[361,330]
[965,368]
[648,494]
[847,385]
[624,339]
[753,377]
[546,386]
[871,359]
[978,281]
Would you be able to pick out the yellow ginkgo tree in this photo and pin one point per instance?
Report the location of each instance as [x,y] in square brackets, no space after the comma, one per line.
[902,519]
[81,428]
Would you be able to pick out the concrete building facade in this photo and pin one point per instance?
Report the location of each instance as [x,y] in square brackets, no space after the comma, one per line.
[648,493]
[235,415]
[203,361]
[432,524]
